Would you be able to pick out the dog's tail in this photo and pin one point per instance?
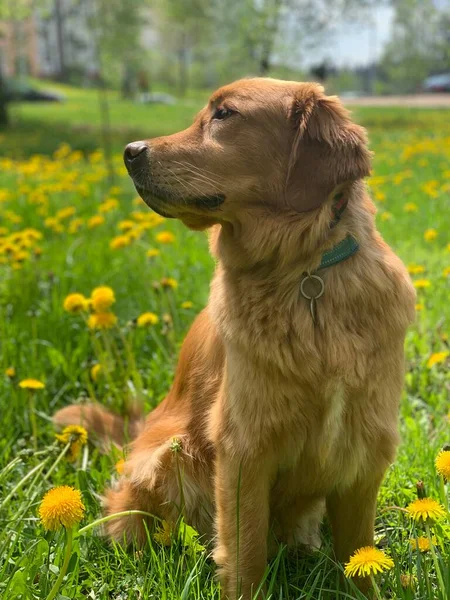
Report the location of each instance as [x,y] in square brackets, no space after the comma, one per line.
[103,426]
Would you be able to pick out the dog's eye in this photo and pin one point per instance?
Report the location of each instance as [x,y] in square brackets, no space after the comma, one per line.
[222,113]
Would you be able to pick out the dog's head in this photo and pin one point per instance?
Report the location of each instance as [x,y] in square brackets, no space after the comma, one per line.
[259,145]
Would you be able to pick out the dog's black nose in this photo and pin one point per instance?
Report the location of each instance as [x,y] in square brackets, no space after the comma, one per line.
[132,151]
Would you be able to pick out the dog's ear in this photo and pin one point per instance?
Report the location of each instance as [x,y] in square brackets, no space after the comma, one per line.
[329,150]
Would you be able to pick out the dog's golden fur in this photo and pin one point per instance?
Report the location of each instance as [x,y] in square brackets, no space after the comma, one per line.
[273,412]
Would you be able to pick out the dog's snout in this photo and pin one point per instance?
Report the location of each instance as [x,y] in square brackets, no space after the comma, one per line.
[134,151]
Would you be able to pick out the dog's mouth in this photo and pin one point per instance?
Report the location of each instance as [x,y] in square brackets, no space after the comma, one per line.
[168,204]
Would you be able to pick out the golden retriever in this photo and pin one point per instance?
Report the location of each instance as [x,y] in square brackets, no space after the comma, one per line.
[277,412]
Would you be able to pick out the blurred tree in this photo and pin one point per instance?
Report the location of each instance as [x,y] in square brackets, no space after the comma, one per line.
[117,30]
[419,45]
[12,13]
[185,26]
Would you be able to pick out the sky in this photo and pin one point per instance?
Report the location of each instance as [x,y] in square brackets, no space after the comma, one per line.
[357,44]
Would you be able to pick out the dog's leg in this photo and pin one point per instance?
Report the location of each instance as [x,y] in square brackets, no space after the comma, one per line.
[242,503]
[352,517]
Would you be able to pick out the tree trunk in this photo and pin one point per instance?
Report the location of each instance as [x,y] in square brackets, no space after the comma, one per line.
[4,117]
[62,75]
[183,74]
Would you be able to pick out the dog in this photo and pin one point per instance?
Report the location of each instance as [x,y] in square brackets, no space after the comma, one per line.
[286,394]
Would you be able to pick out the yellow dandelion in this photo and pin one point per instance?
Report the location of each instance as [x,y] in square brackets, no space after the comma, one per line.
[164,534]
[120,241]
[415,269]
[410,207]
[169,282]
[368,561]
[419,307]
[74,303]
[72,433]
[448,247]
[187,304]
[425,509]
[446,272]
[95,221]
[95,371]
[436,358]
[165,237]
[386,216]
[430,235]
[422,543]
[100,320]
[31,384]
[125,225]
[10,372]
[76,436]
[120,464]
[422,283]
[61,506]
[147,318]
[152,252]
[102,298]
[443,464]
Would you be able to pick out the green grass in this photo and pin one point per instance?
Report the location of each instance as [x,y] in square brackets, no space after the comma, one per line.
[40,340]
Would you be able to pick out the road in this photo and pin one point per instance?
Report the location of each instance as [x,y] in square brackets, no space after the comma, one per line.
[418,101]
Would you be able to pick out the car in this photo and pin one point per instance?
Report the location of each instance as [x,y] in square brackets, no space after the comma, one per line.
[437,83]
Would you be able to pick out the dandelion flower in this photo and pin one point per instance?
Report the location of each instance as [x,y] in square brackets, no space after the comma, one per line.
[446,272]
[61,506]
[147,318]
[414,269]
[368,561]
[425,509]
[76,436]
[95,221]
[120,241]
[386,216]
[419,306]
[169,282]
[102,320]
[422,283]
[436,358]
[187,304]
[421,543]
[31,384]
[410,207]
[74,303]
[165,237]
[120,464]
[430,235]
[442,463]
[10,372]
[95,371]
[102,298]
[126,225]
[164,535]
[152,252]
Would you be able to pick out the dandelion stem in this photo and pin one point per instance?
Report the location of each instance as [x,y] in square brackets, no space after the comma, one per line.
[125,513]
[33,420]
[24,479]
[62,572]
[443,493]
[57,461]
[435,560]
[376,589]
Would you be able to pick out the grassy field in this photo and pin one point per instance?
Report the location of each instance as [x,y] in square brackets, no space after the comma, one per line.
[65,227]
